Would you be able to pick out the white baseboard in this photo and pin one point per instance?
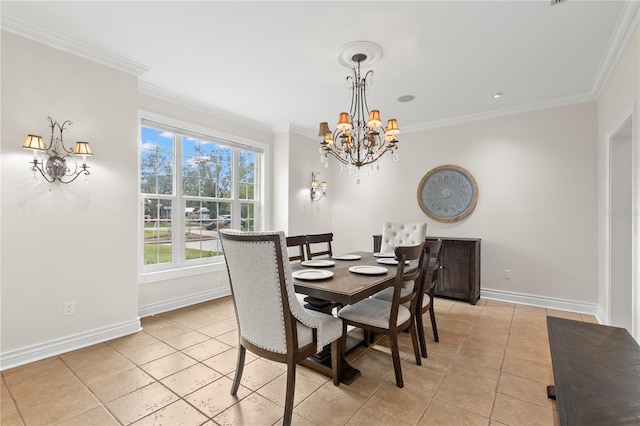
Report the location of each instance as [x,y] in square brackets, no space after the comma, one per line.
[181,302]
[543,302]
[51,348]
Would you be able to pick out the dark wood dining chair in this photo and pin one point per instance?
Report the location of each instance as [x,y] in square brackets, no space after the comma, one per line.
[426,298]
[392,317]
[299,241]
[319,245]
[281,329]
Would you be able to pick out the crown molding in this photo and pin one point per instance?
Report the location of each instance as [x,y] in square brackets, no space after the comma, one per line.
[502,112]
[176,98]
[58,41]
[295,128]
[626,26]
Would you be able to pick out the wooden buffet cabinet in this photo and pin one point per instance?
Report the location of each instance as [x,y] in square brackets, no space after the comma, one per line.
[459,275]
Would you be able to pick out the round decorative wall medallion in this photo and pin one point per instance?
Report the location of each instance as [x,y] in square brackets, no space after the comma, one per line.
[447,193]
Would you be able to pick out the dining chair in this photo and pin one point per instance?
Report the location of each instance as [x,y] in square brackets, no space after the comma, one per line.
[271,322]
[392,317]
[433,269]
[401,234]
[314,240]
[427,282]
[299,241]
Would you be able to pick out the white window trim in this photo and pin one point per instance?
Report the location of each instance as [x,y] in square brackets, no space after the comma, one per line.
[215,264]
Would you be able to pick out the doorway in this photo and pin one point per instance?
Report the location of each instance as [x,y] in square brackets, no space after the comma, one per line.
[622,288]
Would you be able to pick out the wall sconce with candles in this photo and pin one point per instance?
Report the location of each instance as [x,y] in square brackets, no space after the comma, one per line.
[58,162]
[318,190]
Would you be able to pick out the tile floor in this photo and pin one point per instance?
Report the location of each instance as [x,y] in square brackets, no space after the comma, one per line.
[491,367]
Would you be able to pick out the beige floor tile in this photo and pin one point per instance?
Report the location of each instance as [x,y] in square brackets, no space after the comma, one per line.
[439,413]
[112,387]
[168,365]
[191,379]
[148,353]
[419,379]
[39,370]
[206,349]
[60,409]
[464,395]
[177,413]
[402,403]
[218,328]
[253,410]
[525,389]
[477,375]
[187,339]
[512,411]
[528,369]
[7,404]
[259,373]
[230,338]
[155,322]
[95,367]
[169,330]
[132,341]
[326,407]
[487,356]
[367,417]
[11,420]
[136,405]
[225,362]
[275,390]
[37,391]
[216,397]
[98,416]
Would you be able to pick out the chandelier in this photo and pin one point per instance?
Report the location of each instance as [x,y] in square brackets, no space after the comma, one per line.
[359,138]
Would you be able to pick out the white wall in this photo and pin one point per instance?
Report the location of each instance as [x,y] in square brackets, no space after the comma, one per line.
[537,205]
[73,242]
[618,99]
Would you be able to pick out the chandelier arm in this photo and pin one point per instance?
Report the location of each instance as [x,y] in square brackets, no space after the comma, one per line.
[84,171]
[36,166]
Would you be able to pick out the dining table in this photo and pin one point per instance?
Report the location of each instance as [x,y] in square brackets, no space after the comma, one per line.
[339,280]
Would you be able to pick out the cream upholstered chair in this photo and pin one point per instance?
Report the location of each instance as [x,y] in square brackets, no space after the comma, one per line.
[391,318]
[401,234]
[271,321]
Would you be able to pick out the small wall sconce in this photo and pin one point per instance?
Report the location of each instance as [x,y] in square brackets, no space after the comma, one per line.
[318,190]
[60,164]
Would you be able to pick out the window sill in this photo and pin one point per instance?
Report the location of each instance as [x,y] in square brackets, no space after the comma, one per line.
[170,274]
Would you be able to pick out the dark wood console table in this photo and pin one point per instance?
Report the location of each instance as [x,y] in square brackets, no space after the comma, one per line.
[596,369]
[459,276]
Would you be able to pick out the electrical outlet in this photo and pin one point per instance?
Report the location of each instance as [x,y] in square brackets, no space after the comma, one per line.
[507,274]
[69,308]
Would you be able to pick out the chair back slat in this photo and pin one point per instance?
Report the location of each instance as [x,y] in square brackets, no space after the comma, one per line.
[314,239]
[299,241]
[404,254]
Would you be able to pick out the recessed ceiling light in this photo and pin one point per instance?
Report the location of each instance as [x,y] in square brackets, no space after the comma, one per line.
[406,98]
[497,95]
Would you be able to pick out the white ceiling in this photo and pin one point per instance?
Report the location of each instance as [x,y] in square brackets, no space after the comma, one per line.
[275,62]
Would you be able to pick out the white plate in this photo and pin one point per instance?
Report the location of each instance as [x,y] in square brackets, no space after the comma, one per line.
[318,263]
[347,257]
[312,274]
[368,270]
[389,261]
[387,254]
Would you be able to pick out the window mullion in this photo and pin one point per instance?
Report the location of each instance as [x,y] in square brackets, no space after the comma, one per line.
[179,216]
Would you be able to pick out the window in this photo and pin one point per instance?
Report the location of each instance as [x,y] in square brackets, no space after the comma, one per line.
[191,185]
